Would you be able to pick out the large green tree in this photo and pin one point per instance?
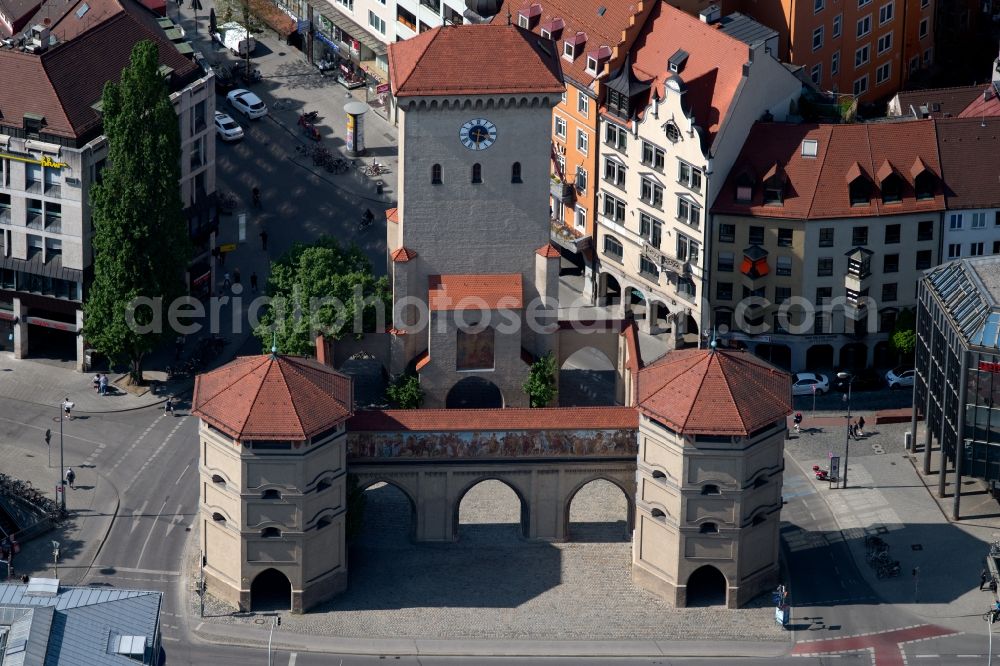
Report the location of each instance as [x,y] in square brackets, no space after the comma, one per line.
[541,383]
[322,288]
[904,336]
[141,245]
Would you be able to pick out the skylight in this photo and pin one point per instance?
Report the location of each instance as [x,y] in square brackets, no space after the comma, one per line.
[810,147]
[84,8]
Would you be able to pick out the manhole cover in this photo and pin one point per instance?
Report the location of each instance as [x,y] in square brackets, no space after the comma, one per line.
[916,546]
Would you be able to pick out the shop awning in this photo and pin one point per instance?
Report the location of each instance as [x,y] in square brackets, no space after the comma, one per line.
[52,269]
[348,25]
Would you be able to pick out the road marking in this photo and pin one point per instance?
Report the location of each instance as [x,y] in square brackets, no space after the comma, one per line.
[65,435]
[169,638]
[178,519]
[136,515]
[138,439]
[292,657]
[927,656]
[149,536]
[182,474]
[157,451]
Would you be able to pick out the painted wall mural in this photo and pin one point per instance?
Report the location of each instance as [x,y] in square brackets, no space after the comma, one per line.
[510,444]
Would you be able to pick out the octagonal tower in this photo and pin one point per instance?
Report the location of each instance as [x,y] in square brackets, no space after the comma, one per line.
[273,467]
[711,440]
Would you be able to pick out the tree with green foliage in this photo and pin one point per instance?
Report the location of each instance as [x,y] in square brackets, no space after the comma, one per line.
[904,335]
[141,244]
[541,383]
[404,392]
[322,288]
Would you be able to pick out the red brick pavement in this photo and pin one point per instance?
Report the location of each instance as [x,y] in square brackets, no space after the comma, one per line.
[886,646]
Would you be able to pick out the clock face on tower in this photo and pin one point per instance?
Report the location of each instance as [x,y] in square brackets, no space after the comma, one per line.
[478,134]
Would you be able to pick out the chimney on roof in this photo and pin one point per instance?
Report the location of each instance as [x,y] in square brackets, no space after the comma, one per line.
[323,352]
[710,14]
[39,35]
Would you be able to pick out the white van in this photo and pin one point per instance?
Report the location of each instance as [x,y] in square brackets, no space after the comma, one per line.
[236,38]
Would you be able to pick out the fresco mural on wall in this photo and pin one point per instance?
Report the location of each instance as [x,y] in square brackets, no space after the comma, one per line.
[510,444]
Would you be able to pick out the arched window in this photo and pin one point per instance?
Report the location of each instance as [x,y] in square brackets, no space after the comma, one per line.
[515,172]
[614,249]
[657,474]
[218,517]
[657,513]
[323,485]
[709,528]
[270,493]
[323,522]
[477,173]
[758,519]
[218,479]
[760,481]
[436,174]
[271,533]
[710,489]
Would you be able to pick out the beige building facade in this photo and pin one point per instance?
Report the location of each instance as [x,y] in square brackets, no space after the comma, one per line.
[665,150]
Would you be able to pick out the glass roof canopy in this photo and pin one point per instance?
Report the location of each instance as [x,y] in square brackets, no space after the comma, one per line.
[976,319]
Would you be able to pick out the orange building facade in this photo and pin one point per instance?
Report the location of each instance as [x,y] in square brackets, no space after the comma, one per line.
[867,48]
[593,37]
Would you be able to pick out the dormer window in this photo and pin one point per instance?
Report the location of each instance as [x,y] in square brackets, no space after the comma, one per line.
[858,185]
[618,104]
[890,183]
[924,180]
[551,29]
[573,46]
[591,65]
[677,61]
[526,18]
[744,186]
[774,186]
[596,59]
[524,22]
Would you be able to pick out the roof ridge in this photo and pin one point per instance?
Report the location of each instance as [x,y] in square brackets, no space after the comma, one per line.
[260,385]
[707,359]
[824,148]
[276,361]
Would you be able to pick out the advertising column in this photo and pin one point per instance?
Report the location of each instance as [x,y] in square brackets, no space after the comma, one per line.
[355,128]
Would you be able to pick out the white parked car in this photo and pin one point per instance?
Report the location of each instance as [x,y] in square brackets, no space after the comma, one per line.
[246,103]
[226,128]
[901,377]
[805,382]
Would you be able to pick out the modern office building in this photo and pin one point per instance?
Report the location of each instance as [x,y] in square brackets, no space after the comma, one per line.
[52,151]
[957,383]
[821,234]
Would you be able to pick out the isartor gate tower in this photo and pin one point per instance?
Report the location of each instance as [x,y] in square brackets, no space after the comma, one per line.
[273,464]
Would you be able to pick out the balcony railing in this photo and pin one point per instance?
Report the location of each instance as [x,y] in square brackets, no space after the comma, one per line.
[564,192]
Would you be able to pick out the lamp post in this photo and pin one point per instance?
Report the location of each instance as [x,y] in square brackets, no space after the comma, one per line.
[62,468]
[847,436]
[989,625]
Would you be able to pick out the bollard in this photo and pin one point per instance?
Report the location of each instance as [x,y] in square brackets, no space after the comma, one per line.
[908,440]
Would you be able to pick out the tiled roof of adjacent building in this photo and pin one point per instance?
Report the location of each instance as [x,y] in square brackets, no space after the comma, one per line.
[722,392]
[474,60]
[65,82]
[970,157]
[472,292]
[402,254]
[549,251]
[818,187]
[272,397]
[937,102]
[552,418]
[603,21]
[712,72]
[985,104]
[746,29]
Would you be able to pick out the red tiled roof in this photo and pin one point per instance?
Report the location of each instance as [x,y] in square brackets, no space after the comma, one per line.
[65,82]
[721,392]
[272,398]
[602,28]
[985,104]
[939,101]
[423,359]
[714,66]
[549,418]
[471,292]
[403,254]
[817,187]
[549,251]
[474,60]
[970,158]
[392,215]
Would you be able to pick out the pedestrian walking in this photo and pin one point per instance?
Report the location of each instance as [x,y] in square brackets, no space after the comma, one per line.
[96,382]
[236,276]
[253,282]
[263,240]
[68,408]
[983,577]
[71,478]
[861,426]
[104,385]
[168,406]
[226,282]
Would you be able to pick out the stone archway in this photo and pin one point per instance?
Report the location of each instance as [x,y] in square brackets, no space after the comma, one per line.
[819,357]
[609,290]
[474,393]
[706,586]
[854,356]
[481,516]
[389,514]
[599,517]
[779,355]
[270,591]
[587,378]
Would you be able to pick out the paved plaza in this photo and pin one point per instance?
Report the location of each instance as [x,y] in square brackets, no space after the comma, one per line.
[492,584]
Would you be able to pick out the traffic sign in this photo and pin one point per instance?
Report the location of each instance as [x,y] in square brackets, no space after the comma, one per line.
[228,247]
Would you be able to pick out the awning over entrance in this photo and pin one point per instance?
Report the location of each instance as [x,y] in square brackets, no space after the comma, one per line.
[348,25]
[52,323]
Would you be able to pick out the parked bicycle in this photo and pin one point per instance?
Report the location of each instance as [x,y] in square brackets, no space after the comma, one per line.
[375,169]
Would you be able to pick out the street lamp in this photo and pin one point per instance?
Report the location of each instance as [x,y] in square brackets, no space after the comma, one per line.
[55,557]
[64,409]
[847,436]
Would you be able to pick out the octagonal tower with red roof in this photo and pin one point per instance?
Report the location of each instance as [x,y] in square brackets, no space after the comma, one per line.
[273,481]
[711,441]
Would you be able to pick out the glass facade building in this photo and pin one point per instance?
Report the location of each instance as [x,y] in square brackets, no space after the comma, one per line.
[957,383]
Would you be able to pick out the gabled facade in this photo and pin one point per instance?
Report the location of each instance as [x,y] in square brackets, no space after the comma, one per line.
[673,118]
[821,233]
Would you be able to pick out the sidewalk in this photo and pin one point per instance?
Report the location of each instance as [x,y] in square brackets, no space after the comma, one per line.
[92,504]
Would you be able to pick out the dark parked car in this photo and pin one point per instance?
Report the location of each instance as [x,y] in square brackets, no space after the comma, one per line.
[864,380]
